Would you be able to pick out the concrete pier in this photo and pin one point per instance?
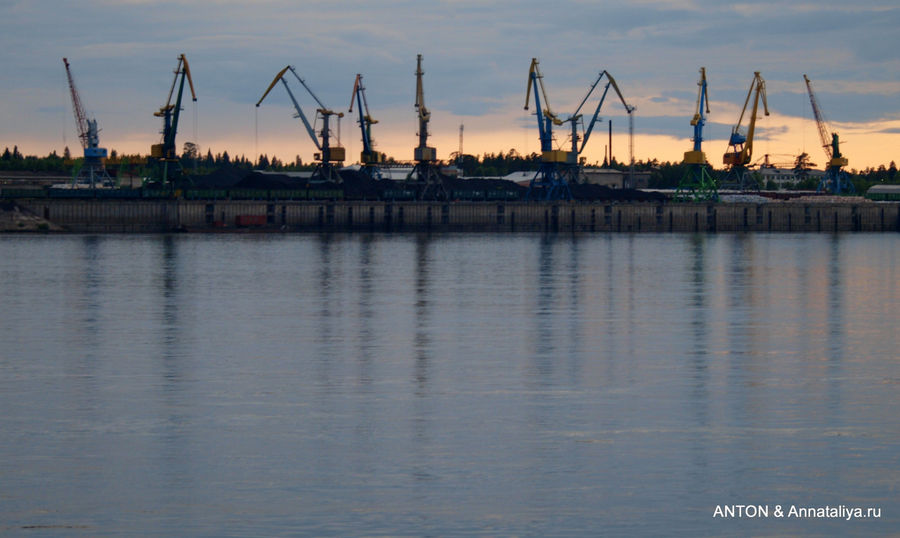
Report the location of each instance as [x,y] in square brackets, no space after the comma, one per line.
[102,215]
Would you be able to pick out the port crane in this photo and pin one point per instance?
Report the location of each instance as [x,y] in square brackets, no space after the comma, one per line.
[697,183]
[558,168]
[328,155]
[740,146]
[368,158]
[425,173]
[551,178]
[576,118]
[165,152]
[92,169]
[835,180]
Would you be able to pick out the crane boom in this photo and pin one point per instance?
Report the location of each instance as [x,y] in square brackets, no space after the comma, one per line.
[422,153]
[742,145]
[368,157]
[836,179]
[545,118]
[92,168]
[824,136]
[424,115]
[699,119]
[610,82]
[365,120]
[536,79]
[81,120]
[300,114]
[328,154]
[172,112]
[696,156]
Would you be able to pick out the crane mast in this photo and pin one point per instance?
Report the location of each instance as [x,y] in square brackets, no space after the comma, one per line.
[165,152]
[697,183]
[425,173]
[92,169]
[328,155]
[835,180]
[737,158]
[369,158]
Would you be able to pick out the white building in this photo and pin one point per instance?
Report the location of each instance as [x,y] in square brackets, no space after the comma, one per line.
[785,177]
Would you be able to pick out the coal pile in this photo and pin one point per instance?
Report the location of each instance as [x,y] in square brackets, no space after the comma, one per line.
[591,192]
[225,177]
[481,185]
[357,185]
[256,180]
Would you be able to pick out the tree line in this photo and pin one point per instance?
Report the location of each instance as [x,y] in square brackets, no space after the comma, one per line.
[662,175]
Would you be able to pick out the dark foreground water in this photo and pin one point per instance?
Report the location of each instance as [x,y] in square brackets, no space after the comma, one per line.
[281,385]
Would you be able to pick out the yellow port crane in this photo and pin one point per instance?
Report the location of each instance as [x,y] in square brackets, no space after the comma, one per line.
[740,146]
[164,152]
[368,157]
[425,173]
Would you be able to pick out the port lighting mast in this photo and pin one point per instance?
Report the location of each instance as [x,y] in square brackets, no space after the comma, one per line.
[165,152]
[328,155]
[835,180]
[425,173]
[92,169]
[368,158]
[697,183]
[740,151]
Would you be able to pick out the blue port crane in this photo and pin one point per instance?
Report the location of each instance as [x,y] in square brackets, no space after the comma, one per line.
[550,181]
[425,174]
[92,169]
[835,180]
[164,152]
[576,117]
[559,168]
[328,155]
[697,183]
[368,158]
[740,145]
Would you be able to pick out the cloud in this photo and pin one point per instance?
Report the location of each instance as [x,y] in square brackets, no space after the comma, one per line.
[476,57]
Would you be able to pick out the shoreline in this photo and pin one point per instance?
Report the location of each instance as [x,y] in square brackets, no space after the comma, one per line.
[241,216]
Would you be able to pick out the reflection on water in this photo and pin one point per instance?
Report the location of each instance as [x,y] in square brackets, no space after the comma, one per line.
[444,385]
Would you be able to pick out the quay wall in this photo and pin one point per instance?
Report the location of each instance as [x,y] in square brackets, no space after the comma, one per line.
[110,215]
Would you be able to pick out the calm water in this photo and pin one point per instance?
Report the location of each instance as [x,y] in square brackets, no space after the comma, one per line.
[280,385]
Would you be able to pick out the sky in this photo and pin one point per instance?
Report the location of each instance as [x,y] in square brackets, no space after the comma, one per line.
[476,56]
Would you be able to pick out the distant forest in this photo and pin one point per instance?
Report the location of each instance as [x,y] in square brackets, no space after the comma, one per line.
[663,175]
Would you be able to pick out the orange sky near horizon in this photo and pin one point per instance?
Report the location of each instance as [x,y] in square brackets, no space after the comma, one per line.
[275,133]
